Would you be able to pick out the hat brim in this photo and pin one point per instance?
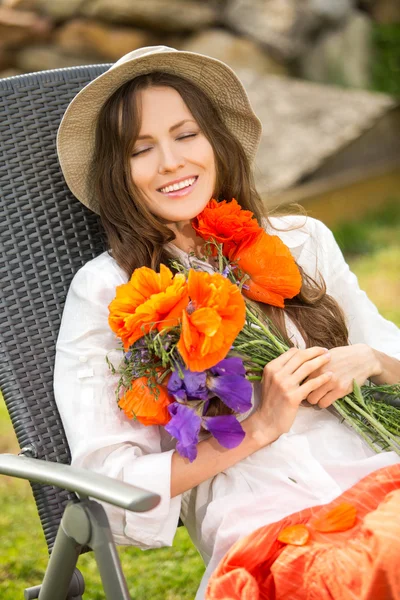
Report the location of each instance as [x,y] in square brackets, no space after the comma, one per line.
[76,134]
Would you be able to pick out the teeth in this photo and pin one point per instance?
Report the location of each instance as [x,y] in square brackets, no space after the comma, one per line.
[178,186]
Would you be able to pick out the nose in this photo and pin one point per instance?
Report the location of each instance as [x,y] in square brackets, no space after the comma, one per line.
[171,159]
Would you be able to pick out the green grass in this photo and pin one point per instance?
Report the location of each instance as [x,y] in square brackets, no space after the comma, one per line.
[385,68]
[372,248]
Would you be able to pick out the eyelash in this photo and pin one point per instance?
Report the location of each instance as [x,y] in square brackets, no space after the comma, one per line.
[184,137]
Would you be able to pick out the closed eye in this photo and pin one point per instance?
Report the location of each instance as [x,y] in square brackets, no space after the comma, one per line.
[183,137]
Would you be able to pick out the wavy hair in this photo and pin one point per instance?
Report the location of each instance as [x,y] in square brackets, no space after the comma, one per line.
[136,237]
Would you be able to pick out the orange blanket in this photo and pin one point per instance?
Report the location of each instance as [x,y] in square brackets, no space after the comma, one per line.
[362,563]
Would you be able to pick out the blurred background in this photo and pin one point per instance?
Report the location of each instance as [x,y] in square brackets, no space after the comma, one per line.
[324,78]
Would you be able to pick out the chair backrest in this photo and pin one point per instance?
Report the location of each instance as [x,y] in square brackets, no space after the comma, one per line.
[46,236]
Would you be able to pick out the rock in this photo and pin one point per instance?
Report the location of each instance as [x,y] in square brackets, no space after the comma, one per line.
[6,59]
[174,15]
[11,72]
[95,38]
[22,4]
[304,124]
[18,27]
[386,11]
[239,53]
[60,10]
[41,58]
[343,56]
[331,11]
[282,26]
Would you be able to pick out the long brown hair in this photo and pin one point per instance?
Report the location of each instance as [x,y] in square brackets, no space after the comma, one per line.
[136,237]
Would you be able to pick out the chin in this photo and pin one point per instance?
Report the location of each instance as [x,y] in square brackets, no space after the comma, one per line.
[185,213]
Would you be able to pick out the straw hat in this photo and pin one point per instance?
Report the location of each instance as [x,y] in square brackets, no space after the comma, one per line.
[75,139]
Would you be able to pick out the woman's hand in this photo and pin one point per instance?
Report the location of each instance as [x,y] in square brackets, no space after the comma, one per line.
[357,362]
[284,386]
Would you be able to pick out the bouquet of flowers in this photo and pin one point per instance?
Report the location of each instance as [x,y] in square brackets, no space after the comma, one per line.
[191,337]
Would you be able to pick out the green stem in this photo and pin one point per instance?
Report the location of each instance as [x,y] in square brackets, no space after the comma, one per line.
[161,377]
[266,331]
[382,431]
[254,343]
[341,410]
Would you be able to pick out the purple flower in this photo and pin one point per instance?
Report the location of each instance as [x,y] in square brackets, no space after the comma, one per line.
[227,381]
[226,429]
[192,386]
[232,365]
[184,426]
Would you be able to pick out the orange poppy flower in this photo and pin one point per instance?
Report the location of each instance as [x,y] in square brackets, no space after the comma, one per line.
[272,269]
[148,404]
[148,300]
[227,223]
[215,316]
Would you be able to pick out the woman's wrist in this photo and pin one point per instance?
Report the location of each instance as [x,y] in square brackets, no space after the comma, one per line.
[373,361]
[258,433]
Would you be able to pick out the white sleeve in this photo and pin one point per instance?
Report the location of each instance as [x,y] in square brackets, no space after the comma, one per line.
[365,323]
[101,438]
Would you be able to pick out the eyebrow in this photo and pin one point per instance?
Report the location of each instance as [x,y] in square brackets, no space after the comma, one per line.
[144,137]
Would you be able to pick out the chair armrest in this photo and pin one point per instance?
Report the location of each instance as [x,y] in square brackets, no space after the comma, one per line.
[83,482]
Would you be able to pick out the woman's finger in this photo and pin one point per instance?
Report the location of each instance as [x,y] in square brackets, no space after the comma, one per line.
[319,393]
[311,366]
[303,356]
[305,389]
[329,399]
[278,363]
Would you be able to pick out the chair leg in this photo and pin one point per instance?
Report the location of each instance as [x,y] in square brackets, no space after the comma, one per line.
[75,590]
[102,543]
[63,559]
[83,523]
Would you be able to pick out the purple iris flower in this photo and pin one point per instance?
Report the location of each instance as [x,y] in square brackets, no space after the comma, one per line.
[227,381]
[192,386]
[184,426]
[226,429]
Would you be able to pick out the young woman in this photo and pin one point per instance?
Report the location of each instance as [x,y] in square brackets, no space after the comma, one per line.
[147,145]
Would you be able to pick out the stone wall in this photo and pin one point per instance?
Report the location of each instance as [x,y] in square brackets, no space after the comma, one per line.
[327,41]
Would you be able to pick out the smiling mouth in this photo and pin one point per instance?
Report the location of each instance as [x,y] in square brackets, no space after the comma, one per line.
[179,190]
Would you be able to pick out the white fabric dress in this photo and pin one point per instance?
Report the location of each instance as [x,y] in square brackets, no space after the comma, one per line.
[312,464]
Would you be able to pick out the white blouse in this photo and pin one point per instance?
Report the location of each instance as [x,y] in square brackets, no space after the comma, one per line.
[312,464]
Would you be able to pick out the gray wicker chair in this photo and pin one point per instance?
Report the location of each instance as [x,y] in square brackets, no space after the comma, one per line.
[46,236]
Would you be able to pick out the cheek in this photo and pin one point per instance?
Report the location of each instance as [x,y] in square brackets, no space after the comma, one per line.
[206,157]
[140,174]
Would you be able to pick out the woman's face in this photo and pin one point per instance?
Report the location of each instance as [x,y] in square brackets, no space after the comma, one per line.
[171,150]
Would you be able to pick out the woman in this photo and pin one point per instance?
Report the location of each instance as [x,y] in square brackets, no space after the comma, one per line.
[147,145]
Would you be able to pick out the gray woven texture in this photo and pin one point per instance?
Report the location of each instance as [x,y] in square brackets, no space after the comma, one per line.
[46,235]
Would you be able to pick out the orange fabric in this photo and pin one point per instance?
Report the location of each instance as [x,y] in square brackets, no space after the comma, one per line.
[146,403]
[215,316]
[273,272]
[362,563]
[148,300]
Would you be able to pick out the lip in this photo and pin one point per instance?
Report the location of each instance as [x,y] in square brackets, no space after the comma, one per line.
[178,193]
